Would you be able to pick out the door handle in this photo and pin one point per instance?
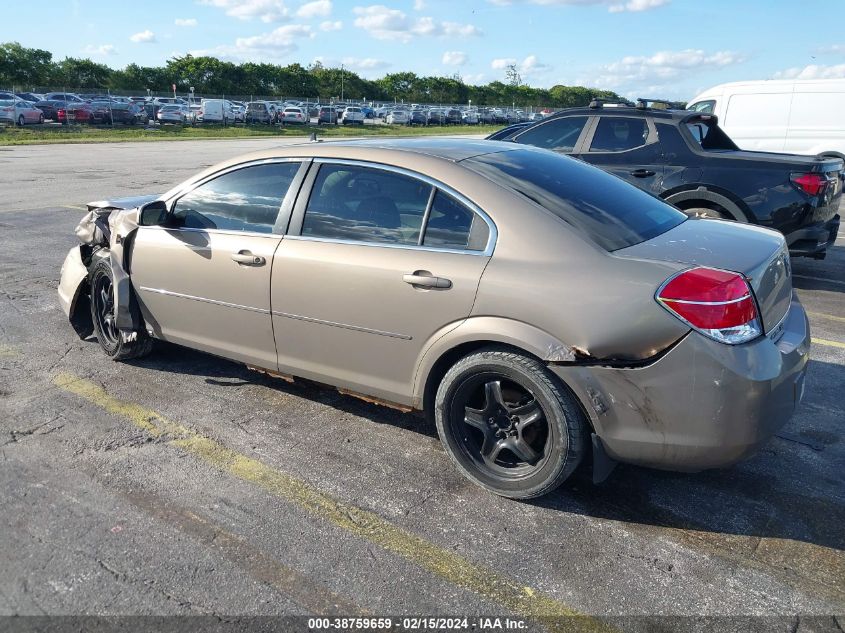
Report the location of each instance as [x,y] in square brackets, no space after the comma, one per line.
[642,173]
[425,279]
[248,259]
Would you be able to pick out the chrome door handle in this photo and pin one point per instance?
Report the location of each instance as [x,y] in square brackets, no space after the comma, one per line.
[419,278]
[248,259]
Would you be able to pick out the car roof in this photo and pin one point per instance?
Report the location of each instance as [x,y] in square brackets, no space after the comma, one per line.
[657,113]
[454,150]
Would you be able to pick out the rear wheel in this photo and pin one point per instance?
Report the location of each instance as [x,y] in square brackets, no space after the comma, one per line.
[21,120]
[111,339]
[508,424]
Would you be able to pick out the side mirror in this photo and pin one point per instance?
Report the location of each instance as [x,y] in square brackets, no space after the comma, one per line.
[153,213]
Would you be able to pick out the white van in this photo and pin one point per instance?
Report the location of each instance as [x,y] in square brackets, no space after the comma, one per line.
[217,111]
[801,116]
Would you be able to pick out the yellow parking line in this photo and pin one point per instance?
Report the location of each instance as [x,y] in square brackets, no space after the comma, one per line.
[822,341]
[822,315]
[528,602]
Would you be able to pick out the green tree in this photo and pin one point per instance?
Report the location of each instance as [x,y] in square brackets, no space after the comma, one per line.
[24,67]
[73,72]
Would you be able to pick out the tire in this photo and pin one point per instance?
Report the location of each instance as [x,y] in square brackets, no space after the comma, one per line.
[41,119]
[21,120]
[703,212]
[102,315]
[531,425]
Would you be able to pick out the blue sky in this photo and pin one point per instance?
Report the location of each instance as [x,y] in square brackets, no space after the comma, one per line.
[654,48]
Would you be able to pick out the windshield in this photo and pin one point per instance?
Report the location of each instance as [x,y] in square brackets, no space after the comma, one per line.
[602,207]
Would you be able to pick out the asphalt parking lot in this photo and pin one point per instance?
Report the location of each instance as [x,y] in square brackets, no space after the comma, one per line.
[183,484]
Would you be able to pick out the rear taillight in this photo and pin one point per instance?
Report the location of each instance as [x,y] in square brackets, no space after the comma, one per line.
[811,183]
[717,303]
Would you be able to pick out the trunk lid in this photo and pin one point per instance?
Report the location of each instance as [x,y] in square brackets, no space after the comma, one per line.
[759,254]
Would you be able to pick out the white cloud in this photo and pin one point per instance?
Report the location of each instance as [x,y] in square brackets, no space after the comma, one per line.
[103,50]
[475,79]
[273,45]
[367,63]
[614,6]
[660,70]
[502,62]
[834,49]
[384,23]
[528,66]
[635,6]
[316,9]
[185,22]
[813,71]
[455,58]
[419,5]
[328,25]
[144,37]
[265,10]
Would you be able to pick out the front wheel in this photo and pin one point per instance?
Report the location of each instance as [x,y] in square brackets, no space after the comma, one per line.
[508,424]
[21,120]
[113,342]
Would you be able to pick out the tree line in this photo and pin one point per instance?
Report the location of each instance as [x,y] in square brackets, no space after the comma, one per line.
[24,68]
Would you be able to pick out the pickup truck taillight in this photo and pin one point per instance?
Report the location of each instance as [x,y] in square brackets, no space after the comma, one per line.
[717,303]
[812,184]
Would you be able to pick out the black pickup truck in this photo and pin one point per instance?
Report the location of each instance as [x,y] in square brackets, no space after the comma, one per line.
[686,159]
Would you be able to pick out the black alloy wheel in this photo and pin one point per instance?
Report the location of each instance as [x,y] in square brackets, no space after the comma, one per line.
[508,423]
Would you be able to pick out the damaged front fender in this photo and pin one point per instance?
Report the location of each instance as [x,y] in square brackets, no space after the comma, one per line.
[107,229]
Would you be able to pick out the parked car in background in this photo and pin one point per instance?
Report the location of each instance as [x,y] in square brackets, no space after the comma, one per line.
[352,115]
[174,113]
[8,111]
[49,107]
[418,117]
[470,117]
[327,115]
[217,111]
[29,96]
[107,110]
[260,112]
[397,117]
[436,116]
[798,116]
[441,235]
[294,116]
[239,112]
[25,112]
[687,159]
[75,113]
[66,97]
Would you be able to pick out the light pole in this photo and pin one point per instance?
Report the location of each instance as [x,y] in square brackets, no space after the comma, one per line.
[341,83]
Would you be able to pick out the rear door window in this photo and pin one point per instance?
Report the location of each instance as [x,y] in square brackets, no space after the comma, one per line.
[618,134]
[560,135]
[604,209]
[247,199]
[363,204]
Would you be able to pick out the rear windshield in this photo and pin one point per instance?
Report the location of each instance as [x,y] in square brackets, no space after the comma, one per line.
[710,136]
[603,208]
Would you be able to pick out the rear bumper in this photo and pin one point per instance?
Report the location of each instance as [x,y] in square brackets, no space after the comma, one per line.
[814,239]
[701,405]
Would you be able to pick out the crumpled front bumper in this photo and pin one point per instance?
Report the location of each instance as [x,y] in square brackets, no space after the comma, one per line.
[73,275]
[703,404]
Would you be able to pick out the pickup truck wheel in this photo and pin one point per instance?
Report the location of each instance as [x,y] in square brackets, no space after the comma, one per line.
[103,318]
[508,424]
